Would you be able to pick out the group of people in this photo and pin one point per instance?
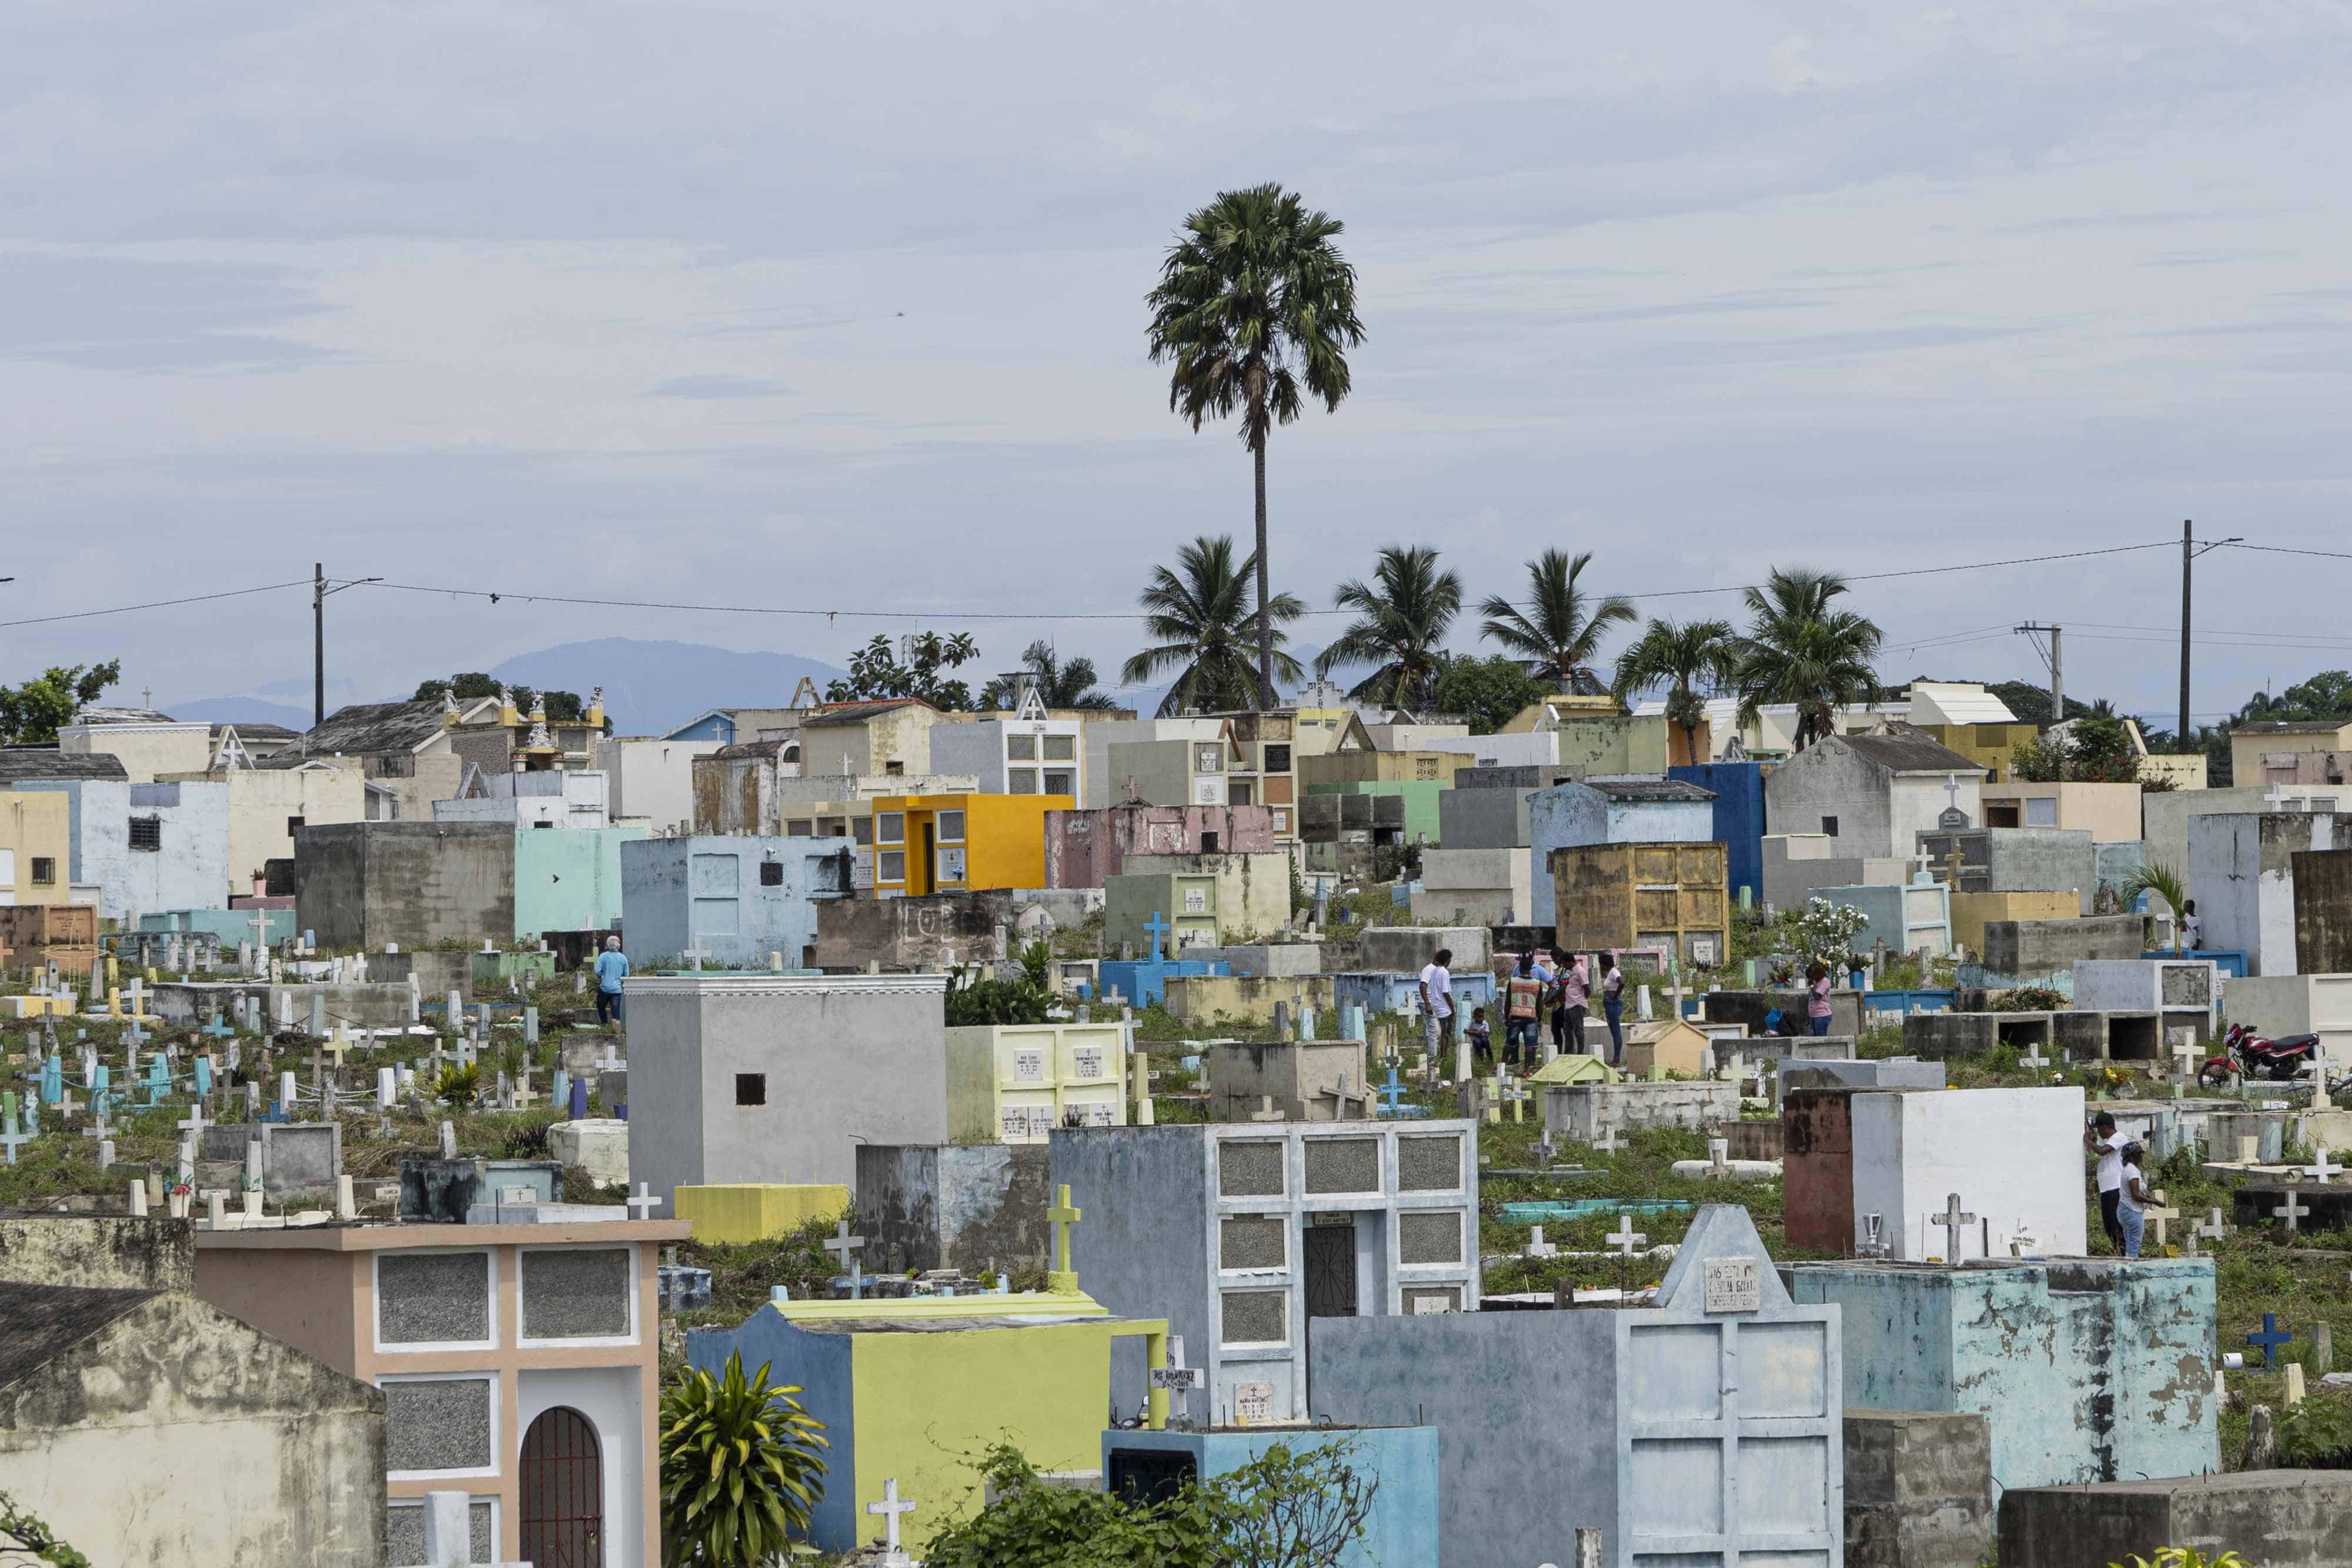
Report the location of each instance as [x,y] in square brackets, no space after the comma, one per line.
[1543,984]
[2123,1188]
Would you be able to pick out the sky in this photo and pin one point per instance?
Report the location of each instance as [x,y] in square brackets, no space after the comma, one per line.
[841,309]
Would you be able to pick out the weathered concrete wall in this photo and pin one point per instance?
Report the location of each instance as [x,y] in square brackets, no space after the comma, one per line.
[362,1005]
[2035,949]
[363,885]
[568,879]
[1918,1490]
[2013,1155]
[1740,817]
[955,1206]
[99,1253]
[191,870]
[1087,848]
[940,928]
[1294,1074]
[1569,816]
[1670,896]
[2322,911]
[1583,1111]
[1483,817]
[1204,999]
[1817,1169]
[2165,816]
[1267,959]
[1406,949]
[1749,1010]
[2280,1519]
[1795,865]
[714,892]
[178,1434]
[2242,875]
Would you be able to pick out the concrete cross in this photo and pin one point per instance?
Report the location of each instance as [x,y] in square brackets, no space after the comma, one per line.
[2159,1214]
[890,1508]
[10,1136]
[2268,1341]
[1625,1238]
[642,1204]
[1062,1216]
[2023,1241]
[2291,1211]
[695,955]
[2319,1170]
[1607,1142]
[1265,1111]
[195,1126]
[2034,1059]
[1341,1096]
[1159,927]
[1952,1220]
[845,1246]
[1536,1246]
[2214,1227]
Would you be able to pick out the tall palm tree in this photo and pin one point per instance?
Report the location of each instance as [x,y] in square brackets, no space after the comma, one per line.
[1402,618]
[1801,651]
[1059,685]
[1692,660]
[1200,614]
[1560,629]
[1256,307]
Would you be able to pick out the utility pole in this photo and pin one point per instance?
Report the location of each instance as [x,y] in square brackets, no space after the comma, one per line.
[319,591]
[2053,657]
[2189,551]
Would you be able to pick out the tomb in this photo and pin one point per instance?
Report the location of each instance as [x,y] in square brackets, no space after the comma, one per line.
[1909,918]
[1396,990]
[497,1349]
[2022,950]
[734,899]
[1274,960]
[1307,1081]
[2241,873]
[1246,1234]
[1878,1167]
[738,1214]
[1408,949]
[359,1005]
[1666,1045]
[1786,1049]
[1918,1490]
[298,1159]
[1585,1112]
[1017,1082]
[2101,1036]
[771,1078]
[2322,911]
[1703,1429]
[1949,1036]
[2280,1519]
[1401,1461]
[968,1207]
[597,1146]
[2280,1006]
[1997,864]
[1753,1011]
[932,928]
[2085,1369]
[1238,999]
[1210,899]
[2261,1202]
[911,1391]
[2185,992]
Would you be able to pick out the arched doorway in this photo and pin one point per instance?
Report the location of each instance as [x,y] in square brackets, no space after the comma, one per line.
[562,1492]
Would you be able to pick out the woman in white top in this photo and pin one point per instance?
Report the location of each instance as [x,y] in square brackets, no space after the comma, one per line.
[2131,1201]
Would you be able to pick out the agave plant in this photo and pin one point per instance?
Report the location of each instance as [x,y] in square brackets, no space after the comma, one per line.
[740,1472]
[2165,884]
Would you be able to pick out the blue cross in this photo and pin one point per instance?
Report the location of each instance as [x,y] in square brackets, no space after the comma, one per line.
[217,1028]
[1391,1093]
[1159,927]
[2270,1339]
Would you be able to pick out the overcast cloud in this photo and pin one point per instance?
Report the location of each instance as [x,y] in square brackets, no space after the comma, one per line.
[842,310]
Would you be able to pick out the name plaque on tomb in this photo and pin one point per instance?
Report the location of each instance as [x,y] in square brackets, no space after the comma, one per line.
[1732,1286]
[1029,1067]
[1252,1403]
[1087,1061]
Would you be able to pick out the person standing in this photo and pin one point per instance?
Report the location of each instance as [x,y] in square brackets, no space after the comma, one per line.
[1575,992]
[1437,1003]
[1817,997]
[1523,999]
[2104,1141]
[2192,929]
[2131,1200]
[611,969]
[1612,1005]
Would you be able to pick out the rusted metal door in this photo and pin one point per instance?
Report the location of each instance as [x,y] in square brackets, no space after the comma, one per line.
[562,1492]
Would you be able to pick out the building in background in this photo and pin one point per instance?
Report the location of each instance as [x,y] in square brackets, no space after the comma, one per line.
[956,844]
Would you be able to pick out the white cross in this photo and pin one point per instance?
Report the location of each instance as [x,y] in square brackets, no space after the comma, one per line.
[2214,1227]
[890,1508]
[2291,1211]
[642,1207]
[2034,1059]
[2184,1063]
[1536,1246]
[845,1247]
[1951,1220]
[2159,1213]
[695,955]
[1625,1238]
[2320,1170]
[195,1126]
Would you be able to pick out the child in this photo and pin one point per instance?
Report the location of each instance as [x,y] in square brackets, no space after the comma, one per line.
[1478,1034]
[2131,1201]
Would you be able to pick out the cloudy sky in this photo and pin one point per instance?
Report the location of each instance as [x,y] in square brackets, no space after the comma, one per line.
[840,308]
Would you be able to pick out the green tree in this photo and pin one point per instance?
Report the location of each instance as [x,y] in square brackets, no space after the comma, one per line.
[32,714]
[1561,628]
[876,674]
[1254,312]
[1201,614]
[1402,618]
[1059,685]
[740,1469]
[1489,692]
[562,707]
[1802,650]
[2326,695]
[2164,885]
[1693,660]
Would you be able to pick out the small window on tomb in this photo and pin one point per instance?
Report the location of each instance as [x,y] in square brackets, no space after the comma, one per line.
[894,770]
[438,1424]
[1060,748]
[891,827]
[146,832]
[1429,1237]
[801,828]
[293,825]
[861,829]
[576,1292]
[1021,781]
[45,872]
[1429,1165]
[1255,1317]
[403,1533]
[1060,781]
[751,1089]
[951,827]
[1829,826]
[1253,1241]
[1250,1169]
[1020,748]
[1343,1164]
[433,1298]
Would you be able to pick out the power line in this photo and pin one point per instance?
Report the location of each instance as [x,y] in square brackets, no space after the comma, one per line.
[156,605]
[2286,550]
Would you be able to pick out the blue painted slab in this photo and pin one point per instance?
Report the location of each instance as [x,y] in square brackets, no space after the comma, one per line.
[1144,981]
[1553,1210]
[1930,1001]
[1403,1527]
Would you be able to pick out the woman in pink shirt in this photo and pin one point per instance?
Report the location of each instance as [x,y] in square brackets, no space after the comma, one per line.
[1817,997]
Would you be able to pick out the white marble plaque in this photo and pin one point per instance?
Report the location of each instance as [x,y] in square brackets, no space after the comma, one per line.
[1252,1402]
[1732,1285]
[1087,1061]
[1029,1067]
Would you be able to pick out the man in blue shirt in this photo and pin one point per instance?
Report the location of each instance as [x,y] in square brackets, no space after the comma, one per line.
[611,969]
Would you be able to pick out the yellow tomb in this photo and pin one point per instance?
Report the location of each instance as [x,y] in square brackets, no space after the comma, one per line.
[735,1213]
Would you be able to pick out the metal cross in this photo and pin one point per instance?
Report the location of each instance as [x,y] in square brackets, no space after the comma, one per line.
[1952,1220]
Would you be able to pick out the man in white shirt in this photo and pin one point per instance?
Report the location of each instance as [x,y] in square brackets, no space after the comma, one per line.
[1436,1002]
[2103,1140]
[2192,929]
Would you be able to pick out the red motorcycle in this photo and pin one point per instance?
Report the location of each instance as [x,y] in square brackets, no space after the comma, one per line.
[2245,1055]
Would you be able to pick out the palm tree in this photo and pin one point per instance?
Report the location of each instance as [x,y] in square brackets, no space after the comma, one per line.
[1558,630]
[1255,306]
[1200,614]
[1058,686]
[1690,660]
[1800,650]
[2167,885]
[1401,620]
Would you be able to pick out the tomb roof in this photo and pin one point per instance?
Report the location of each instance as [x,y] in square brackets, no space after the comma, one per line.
[835,716]
[2294,727]
[1907,754]
[48,762]
[44,1321]
[101,715]
[365,1238]
[1648,788]
[365,728]
[743,748]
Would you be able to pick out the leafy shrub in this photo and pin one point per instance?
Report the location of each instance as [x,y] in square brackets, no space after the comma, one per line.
[2029,1000]
[741,1471]
[458,1084]
[975,1001]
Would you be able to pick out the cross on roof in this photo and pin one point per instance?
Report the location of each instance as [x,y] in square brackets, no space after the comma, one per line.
[1625,1238]
[845,1246]
[1063,1215]
[890,1508]
[1951,1220]
[2270,1339]
[642,1204]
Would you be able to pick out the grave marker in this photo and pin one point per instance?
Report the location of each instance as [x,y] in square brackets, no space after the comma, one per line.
[2268,1341]
[1536,1246]
[2291,1211]
[1624,1238]
[890,1508]
[642,1204]
[1952,1220]
[845,1246]
[1063,1280]
[2319,1170]
[2159,1214]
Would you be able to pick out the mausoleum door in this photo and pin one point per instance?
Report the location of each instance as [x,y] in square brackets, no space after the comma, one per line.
[1329,1252]
[562,1492]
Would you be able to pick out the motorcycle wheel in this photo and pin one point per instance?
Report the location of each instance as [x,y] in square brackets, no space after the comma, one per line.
[2211,1077]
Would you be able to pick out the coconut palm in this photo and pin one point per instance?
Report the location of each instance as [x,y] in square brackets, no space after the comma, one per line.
[1201,613]
[1058,686]
[1561,629]
[1692,660]
[1255,311]
[1801,651]
[1402,618]
[2163,883]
